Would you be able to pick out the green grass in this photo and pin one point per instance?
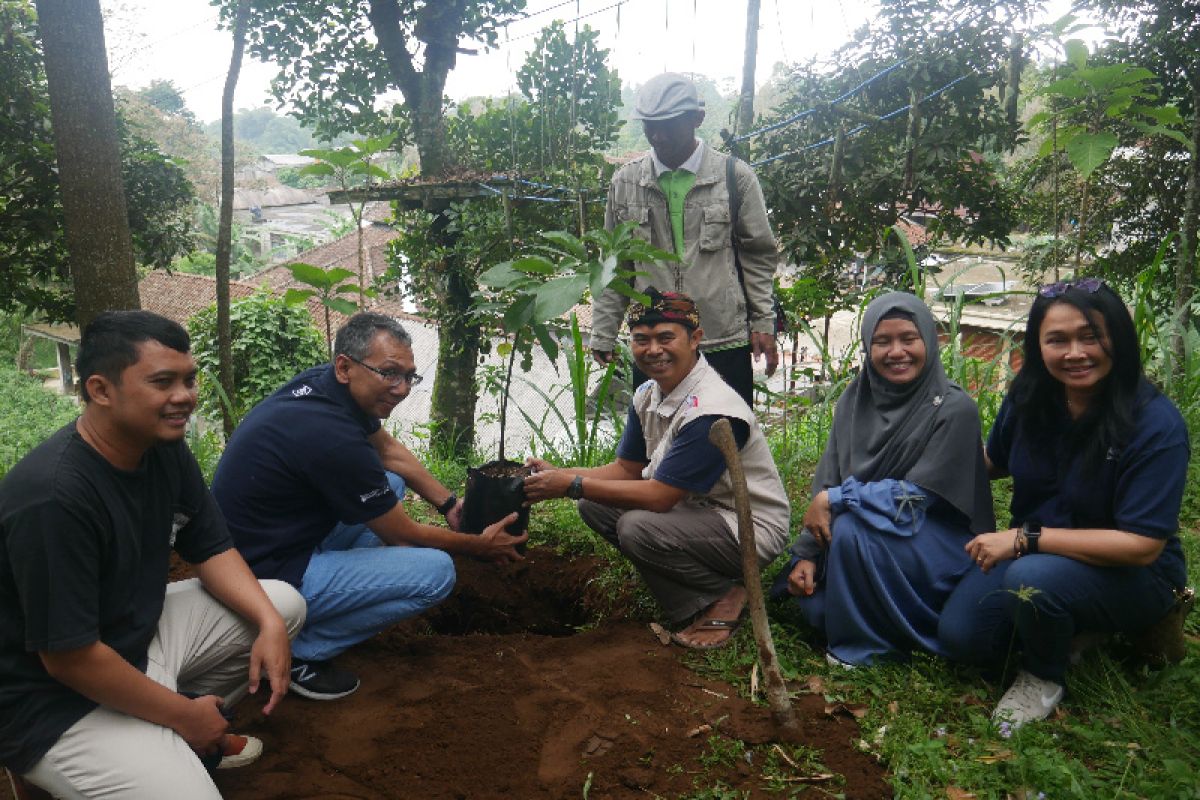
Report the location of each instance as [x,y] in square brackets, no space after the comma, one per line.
[28,414]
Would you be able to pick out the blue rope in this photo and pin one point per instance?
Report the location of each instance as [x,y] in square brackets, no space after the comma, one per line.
[535,198]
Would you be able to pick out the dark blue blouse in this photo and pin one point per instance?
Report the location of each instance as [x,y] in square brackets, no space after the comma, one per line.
[1138,489]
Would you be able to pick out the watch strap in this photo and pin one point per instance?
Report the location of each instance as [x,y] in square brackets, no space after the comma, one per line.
[1032,533]
[575,490]
[447,506]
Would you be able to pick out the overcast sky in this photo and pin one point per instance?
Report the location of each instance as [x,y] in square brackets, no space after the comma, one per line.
[178,40]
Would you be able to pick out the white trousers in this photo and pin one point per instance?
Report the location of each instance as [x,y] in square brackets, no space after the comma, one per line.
[201,646]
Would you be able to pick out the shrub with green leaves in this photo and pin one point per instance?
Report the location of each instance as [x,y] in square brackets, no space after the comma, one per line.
[272,342]
[28,414]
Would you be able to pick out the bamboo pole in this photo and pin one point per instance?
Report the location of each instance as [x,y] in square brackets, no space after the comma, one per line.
[721,435]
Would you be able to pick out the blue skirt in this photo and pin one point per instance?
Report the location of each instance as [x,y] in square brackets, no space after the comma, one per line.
[879,595]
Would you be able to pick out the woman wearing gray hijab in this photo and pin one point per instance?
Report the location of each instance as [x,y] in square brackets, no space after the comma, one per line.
[900,489]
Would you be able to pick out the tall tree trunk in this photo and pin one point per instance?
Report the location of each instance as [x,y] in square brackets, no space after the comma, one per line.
[745,114]
[455,392]
[88,150]
[1185,270]
[225,223]
[1016,59]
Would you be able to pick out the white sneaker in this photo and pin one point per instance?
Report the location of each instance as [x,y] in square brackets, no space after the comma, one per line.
[1029,699]
[834,661]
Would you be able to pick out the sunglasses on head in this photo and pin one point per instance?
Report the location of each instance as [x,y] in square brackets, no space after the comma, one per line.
[1089,285]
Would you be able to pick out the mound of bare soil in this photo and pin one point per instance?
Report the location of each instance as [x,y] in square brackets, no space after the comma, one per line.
[505,691]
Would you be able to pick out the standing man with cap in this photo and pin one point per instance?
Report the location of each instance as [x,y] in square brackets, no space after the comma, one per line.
[679,196]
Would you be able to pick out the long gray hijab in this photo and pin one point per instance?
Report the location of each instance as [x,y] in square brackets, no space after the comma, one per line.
[925,431]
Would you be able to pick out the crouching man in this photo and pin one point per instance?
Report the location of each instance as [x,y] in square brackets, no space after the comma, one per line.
[667,501]
[312,485]
[96,649]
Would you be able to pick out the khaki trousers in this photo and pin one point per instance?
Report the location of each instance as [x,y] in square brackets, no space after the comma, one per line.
[688,556]
[201,646]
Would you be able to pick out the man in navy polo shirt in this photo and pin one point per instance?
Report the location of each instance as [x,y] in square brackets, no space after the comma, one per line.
[311,486]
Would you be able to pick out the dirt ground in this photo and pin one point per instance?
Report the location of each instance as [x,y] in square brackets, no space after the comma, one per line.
[507,690]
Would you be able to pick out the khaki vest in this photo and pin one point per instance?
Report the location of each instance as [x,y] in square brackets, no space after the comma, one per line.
[703,393]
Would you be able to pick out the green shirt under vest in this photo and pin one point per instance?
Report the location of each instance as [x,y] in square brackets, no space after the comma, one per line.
[676,183]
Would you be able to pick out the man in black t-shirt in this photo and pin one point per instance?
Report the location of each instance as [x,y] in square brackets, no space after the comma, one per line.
[311,485]
[111,682]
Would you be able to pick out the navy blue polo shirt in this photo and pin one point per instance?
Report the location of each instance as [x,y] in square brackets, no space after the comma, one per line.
[299,464]
[693,463]
[1139,487]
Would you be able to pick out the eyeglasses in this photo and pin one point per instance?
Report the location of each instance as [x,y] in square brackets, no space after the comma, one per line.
[391,377]
[1089,285]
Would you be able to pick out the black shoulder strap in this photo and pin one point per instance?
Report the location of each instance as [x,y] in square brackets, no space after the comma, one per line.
[734,203]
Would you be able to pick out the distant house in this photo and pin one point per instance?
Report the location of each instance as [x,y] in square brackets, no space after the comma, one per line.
[337,253]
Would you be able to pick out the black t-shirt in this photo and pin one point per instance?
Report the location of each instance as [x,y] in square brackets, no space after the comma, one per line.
[84,550]
[299,464]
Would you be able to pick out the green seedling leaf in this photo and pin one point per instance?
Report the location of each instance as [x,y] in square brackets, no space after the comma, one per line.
[296,296]
[501,276]
[1077,53]
[602,274]
[518,314]
[567,242]
[558,296]
[317,169]
[1088,151]
[1070,86]
[627,290]
[341,306]
[546,340]
[534,264]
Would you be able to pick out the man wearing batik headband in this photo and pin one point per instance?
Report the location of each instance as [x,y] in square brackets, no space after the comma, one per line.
[666,502]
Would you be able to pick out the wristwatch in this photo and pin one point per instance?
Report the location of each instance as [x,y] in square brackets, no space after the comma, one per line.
[1032,531]
[446,507]
[575,490]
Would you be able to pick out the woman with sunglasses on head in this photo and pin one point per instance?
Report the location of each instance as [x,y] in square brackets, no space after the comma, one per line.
[1098,458]
[899,489]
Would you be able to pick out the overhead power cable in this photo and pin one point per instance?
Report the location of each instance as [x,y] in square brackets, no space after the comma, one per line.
[860,128]
[573,19]
[847,95]
[809,112]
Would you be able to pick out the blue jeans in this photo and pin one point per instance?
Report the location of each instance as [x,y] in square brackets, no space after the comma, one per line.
[355,587]
[1037,603]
